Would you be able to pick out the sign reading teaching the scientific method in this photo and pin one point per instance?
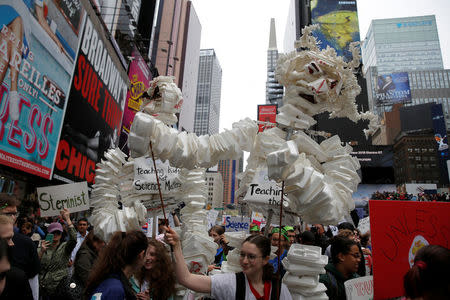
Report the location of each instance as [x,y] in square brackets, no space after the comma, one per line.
[145,176]
[53,199]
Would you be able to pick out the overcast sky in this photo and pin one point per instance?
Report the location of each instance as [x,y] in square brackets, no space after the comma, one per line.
[238,30]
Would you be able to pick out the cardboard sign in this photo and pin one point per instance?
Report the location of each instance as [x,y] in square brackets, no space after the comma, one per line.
[364,225]
[53,199]
[359,288]
[398,230]
[237,224]
[264,191]
[145,176]
[212,217]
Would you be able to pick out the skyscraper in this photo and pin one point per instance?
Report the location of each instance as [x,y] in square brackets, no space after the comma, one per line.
[274,90]
[207,107]
[402,44]
[229,170]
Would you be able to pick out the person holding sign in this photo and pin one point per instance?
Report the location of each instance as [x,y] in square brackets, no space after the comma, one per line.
[345,257]
[256,281]
[55,255]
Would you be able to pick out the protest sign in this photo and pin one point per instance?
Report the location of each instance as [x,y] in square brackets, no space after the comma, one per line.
[258,219]
[212,217]
[53,199]
[364,225]
[398,230]
[263,191]
[237,223]
[359,288]
[145,176]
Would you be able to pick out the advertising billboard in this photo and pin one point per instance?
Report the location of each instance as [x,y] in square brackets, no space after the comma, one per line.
[95,107]
[139,75]
[393,88]
[38,44]
[267,113]
[440,136]
[338,24]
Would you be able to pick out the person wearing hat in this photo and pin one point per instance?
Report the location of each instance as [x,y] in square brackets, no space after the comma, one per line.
[254,229]
[290,233]
[278,234]
[55,256]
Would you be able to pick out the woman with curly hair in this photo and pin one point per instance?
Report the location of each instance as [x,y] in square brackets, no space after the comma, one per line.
[121,258]
[156,279]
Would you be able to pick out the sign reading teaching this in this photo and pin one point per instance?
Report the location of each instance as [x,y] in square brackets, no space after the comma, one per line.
[359,288]
[264,191]
[398,230]
[53,199]
[237,223]
[145,176]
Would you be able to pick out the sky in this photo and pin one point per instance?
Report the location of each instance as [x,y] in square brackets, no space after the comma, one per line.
[238,31]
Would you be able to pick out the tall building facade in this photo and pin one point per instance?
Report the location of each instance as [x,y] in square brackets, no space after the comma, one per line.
[214,183]
[274,90]
[402,44]
[229,170]
[209,83]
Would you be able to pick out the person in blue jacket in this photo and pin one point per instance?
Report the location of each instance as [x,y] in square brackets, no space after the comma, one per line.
[123,256]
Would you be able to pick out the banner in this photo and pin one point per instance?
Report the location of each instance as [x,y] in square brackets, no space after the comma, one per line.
[338,22]
[35,74]
[398,230]
[393,88]
[140,76]
[94,109]
[267,113]
[359,288]
[145,176]
[237,223]
[53,199]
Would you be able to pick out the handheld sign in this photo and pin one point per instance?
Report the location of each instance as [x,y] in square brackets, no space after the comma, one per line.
[359,288]
[53,199]
[364,225]
[237,224]
[145,176]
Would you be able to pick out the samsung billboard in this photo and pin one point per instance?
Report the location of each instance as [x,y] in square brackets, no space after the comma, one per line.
[338,24]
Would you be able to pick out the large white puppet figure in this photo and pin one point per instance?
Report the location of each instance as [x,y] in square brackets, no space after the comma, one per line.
[319,178]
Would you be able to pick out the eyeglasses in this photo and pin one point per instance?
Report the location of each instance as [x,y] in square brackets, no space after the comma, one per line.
[356,255]
[250,257]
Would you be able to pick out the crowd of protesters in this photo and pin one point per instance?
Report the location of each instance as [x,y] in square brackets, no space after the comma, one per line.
[444,197]
[59,258]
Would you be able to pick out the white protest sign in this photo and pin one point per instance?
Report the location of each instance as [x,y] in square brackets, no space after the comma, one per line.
[149,227]
[73,196]
[237,223]
[145,176]
[212,217]
[264,191]
[334,229]
[359,288]
[364,225]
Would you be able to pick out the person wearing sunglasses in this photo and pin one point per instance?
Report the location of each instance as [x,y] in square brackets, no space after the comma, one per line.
[256,281]
[345,257]
[55,255]
[13,281]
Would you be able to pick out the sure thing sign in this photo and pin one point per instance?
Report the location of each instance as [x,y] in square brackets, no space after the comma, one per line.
[53,199]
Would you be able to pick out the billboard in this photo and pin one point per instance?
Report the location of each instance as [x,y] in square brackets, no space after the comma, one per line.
[140,76]
[35,74]
[95,107]
[440,136]
[398,230]
[393,88]
[267,113]
[338,24]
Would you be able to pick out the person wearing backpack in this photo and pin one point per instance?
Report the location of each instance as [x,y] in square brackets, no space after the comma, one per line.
[255,282]
[345,261]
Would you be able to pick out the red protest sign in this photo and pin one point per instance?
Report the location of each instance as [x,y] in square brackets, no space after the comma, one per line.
[399,229]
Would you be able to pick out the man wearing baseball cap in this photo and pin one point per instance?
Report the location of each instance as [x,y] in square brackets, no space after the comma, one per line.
[254,229]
